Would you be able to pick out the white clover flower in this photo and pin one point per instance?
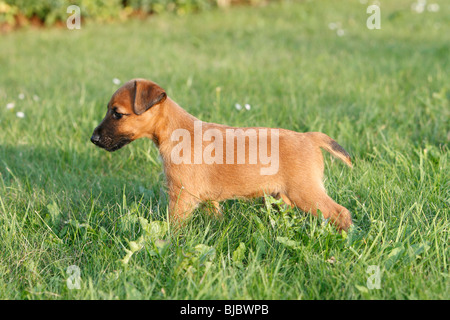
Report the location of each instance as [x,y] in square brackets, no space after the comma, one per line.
[332,25]
[20,114]
[10,105]
[116,81]
[247,106]
[35,98]
[238,106]
[433,7]
[419,7]
[340,32]
[21,96]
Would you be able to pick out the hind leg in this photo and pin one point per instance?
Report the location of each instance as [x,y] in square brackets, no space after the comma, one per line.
[316,199]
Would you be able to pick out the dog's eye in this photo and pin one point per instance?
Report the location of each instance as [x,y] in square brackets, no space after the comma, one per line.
[117,115]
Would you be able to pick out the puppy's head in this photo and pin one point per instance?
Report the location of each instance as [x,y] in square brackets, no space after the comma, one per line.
[129,110]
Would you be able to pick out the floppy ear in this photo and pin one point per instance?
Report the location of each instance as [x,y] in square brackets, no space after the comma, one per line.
[146,95]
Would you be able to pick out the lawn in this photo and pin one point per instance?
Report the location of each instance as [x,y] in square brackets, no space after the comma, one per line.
[382,94]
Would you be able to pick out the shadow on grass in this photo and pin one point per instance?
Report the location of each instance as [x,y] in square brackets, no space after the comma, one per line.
[77,177]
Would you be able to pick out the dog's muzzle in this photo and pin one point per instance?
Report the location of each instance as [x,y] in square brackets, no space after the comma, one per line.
[107,143]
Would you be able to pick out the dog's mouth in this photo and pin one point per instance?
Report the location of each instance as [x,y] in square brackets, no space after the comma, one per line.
[118,145]
[113,147]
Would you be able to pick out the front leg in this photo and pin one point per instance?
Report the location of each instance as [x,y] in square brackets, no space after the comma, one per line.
[213,209]
[181,205]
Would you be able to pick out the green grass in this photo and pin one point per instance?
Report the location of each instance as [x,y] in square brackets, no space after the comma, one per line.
[382,94]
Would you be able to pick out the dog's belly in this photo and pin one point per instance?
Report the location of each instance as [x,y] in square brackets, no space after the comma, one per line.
[234,183]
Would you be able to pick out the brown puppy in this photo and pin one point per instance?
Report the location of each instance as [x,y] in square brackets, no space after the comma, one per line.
[208,162]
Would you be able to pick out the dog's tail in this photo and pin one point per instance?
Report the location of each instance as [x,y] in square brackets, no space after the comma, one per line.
[332,147]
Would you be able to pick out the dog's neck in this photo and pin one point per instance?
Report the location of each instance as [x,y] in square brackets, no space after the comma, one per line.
[170,117]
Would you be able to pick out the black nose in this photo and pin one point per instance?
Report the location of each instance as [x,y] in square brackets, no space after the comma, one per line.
[95,138]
